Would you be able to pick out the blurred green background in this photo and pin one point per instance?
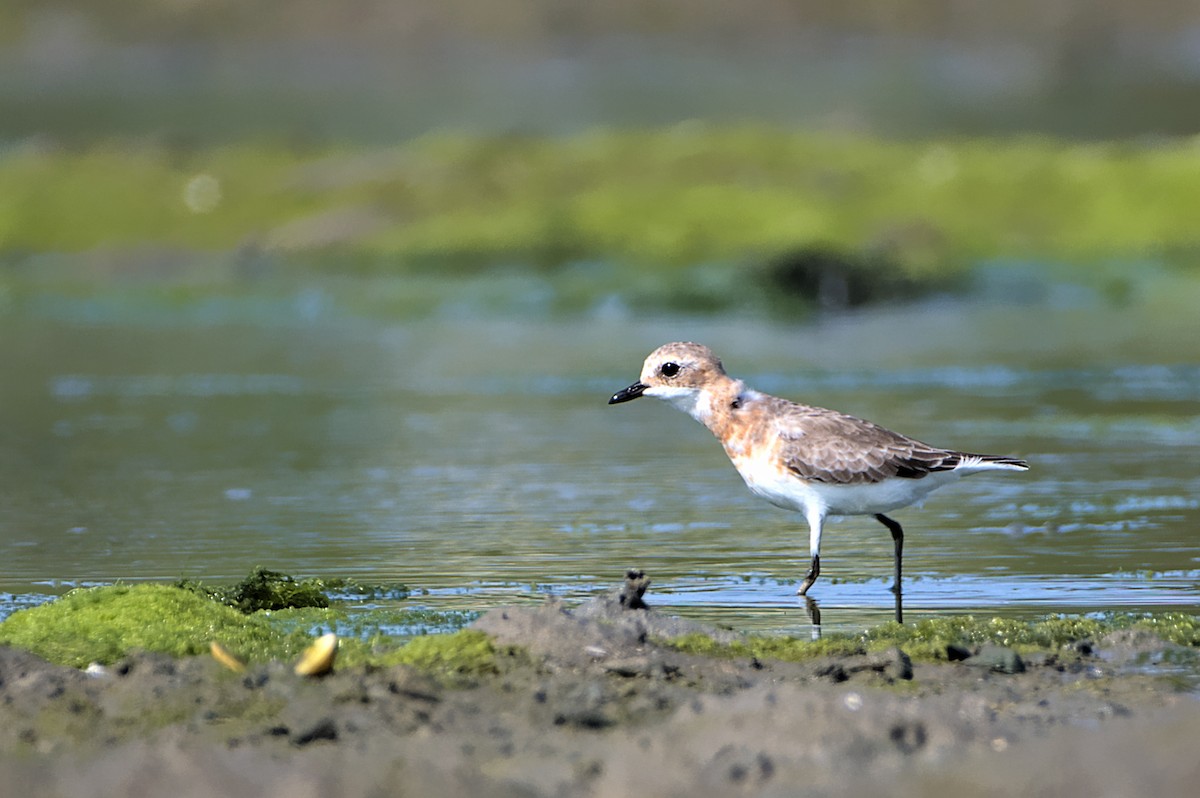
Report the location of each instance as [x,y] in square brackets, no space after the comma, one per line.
[557,157]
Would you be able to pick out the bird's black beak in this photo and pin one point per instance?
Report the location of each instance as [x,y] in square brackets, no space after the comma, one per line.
[625,394]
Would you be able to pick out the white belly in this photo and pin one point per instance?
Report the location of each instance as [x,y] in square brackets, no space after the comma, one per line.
[784,489]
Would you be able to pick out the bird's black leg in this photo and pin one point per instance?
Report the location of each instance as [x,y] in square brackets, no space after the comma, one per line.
[813,572]
[898,537]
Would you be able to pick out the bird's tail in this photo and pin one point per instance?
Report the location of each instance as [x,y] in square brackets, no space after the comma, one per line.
[990,462]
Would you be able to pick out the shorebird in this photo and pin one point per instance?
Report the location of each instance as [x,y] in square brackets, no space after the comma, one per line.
[818,462]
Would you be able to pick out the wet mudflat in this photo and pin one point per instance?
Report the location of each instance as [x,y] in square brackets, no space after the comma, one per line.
[586,700]
[477,463]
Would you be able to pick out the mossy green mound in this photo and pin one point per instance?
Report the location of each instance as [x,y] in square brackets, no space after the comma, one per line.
[928,639]
[462,653]
[103,624]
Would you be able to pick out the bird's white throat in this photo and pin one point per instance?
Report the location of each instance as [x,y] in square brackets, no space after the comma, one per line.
[682,397]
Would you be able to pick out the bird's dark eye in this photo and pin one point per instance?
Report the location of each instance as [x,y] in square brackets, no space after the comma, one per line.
[669,369]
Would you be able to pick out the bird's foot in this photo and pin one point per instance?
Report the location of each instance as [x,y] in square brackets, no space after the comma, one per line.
[810,577]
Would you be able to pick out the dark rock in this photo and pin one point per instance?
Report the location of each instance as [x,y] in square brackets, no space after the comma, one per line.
[740,766]
[635,586]
[584,705]
[908,737]
[323,729]
[410,684]
[1000,659]
[892,665]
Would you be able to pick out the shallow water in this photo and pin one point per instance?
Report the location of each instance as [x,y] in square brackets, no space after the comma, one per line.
[477,461]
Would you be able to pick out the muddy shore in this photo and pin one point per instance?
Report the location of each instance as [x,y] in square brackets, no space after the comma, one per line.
[586,704]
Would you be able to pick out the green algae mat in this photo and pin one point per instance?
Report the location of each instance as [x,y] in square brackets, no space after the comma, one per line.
[104,624]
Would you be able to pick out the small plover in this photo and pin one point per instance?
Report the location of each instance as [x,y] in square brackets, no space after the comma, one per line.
[819,462]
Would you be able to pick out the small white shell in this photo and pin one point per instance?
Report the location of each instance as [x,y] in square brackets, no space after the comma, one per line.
[317,659]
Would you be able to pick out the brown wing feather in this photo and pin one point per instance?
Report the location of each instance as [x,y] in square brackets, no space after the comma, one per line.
[827,446]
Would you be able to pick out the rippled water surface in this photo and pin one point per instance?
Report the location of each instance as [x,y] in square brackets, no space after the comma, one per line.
[478,463]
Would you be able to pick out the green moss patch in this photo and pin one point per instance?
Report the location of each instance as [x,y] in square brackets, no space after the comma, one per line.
[463,653]
[928,639]
[105,623]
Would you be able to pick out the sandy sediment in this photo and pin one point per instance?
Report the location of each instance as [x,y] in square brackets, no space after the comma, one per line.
[591,705]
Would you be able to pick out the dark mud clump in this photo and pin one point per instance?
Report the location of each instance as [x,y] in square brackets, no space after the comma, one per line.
[592,700]
[264,589]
